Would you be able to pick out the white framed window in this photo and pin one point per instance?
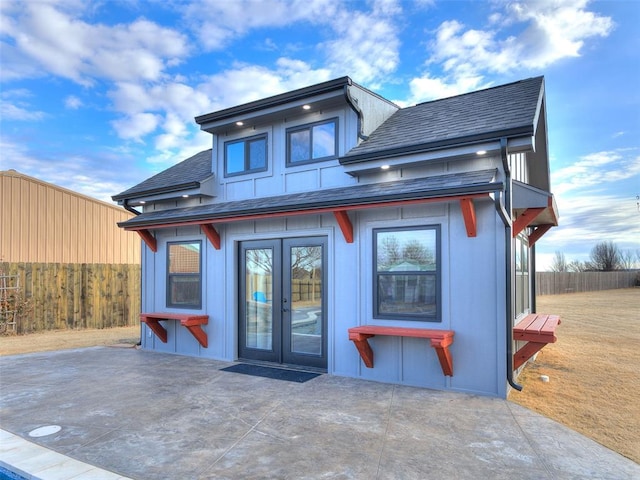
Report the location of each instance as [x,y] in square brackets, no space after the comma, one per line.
[407,273]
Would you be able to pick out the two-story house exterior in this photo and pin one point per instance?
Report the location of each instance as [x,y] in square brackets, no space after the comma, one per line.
[330,207]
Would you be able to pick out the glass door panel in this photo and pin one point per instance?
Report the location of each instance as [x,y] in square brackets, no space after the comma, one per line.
[304,316]
[306,300]
[260,326]
[258,316]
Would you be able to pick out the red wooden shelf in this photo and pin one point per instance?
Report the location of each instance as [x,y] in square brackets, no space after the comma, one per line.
[537,330]
[440,341]
[191,322]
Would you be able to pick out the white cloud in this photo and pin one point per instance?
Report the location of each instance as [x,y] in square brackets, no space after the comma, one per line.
[363,44]
[426,87]
[556,29]
[587,220]
[72,102]
[136,126]
[367,45]
[218,22]
[51,38]
[524,36]
[596,170]
[589,212]
[111,172]
[166,109]
[245,83]
[14,106]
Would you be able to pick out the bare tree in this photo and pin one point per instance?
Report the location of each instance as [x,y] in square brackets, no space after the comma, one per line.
[559,263]
[627,259]
[605,256]
[415,251]
[577,266]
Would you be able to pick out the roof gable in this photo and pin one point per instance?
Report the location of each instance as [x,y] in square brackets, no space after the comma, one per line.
[502,111]
[186,174]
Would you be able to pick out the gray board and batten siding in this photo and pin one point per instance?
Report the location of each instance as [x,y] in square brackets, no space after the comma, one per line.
[430,169]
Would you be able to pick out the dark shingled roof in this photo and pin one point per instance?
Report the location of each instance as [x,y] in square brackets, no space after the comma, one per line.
[184,175]
[448,185]
[502,111]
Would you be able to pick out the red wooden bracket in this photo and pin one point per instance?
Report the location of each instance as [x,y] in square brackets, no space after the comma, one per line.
[212,234]
[469,215]
[149,239]
[538,233]
[198,333]
[440,341]
[345,224]
[525,353]
[191,322]
[524,220]
[154,325]
[364,349]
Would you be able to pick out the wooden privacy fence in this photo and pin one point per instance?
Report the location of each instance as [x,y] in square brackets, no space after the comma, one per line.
[67,295]
[259,288]
[552,283]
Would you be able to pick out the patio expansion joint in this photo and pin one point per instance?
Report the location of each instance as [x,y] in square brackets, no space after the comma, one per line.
[253,428]
[541,458]
[386,430]
[73,451]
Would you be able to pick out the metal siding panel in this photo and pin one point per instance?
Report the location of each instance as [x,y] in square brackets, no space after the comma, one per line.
[65,246]
[334,176]
[45,223]
[185,342]
[344,305]
[420,365]
[474,313]
[24,223]
[301,181]
[239,190]
[387,356]
[271,225]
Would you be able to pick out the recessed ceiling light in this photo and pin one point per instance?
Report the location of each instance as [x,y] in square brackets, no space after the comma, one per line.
[385,167]
[306,107]
[142,202]
[481,152]
[185,196]
[239,124]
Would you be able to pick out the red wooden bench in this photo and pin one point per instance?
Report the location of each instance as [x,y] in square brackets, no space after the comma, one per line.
[440,341]
[538,330]
[191,322]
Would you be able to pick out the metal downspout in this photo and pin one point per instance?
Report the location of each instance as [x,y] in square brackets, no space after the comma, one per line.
[127,207]
[354,106]
[505,214]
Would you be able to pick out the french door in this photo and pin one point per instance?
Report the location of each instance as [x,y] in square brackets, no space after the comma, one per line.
[282,292]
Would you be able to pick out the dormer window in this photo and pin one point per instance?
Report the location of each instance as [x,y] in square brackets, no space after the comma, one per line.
[245,156]
[312,142]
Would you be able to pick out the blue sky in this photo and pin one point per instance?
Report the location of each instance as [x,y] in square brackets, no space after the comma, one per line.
[97,96]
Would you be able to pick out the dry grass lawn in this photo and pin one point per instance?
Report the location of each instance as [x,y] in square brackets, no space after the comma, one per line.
[64,339]
[594,368]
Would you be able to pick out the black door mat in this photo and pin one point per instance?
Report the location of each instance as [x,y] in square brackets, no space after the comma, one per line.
[268,372]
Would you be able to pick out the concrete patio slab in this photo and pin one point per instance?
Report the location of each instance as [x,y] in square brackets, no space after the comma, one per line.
[147,416]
